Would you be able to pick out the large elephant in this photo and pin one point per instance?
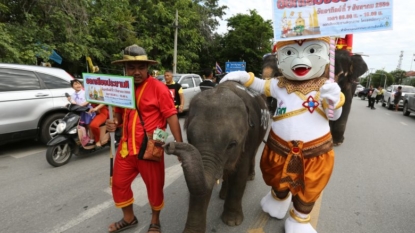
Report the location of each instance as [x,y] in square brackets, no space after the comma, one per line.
[225,126]
[348,69]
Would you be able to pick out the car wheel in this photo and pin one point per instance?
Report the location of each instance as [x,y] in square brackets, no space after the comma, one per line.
[405,110]
[362,97]
[389,105]
[48,127]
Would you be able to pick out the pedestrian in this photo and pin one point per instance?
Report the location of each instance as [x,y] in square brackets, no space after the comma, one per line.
[175,90]
[373,98]
[397,97]
[369,94]
[379,96]
[208,81]
[154,109]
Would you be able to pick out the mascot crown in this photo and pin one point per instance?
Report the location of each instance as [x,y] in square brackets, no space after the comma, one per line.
[280,44]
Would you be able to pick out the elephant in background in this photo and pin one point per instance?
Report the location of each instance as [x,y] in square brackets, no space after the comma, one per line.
[348,69]
[225,126]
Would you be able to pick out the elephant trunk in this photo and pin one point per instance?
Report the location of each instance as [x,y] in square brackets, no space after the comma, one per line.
[192,166]
[200,181]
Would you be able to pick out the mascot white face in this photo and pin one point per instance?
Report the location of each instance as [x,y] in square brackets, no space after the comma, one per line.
[303,62]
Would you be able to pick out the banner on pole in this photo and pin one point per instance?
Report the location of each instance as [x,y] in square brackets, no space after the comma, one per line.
[109,90]
[302,19]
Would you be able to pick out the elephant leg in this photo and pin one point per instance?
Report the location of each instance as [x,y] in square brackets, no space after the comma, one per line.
[251,174]
[338,127]
[225,185]
[232,212]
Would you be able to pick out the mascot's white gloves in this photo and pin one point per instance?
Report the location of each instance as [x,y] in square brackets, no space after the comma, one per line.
[331,93]
[238,76]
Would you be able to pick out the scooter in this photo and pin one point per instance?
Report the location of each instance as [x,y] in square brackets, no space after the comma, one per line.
[71,136]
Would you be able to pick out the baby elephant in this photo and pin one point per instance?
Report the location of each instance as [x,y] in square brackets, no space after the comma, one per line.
[225,127]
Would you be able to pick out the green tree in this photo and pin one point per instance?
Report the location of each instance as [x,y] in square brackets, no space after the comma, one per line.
[248,39]
[155,27]
[398,76]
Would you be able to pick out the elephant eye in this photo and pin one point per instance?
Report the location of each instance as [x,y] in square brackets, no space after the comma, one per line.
[312,50]
[289,52]
[232,144]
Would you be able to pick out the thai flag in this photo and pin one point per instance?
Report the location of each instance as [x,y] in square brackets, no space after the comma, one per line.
[218,69]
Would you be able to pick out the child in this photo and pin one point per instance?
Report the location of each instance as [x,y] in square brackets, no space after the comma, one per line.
[78,98]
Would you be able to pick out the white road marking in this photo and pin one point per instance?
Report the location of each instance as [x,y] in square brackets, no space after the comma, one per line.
[403,123]
[21,154]
[140,196]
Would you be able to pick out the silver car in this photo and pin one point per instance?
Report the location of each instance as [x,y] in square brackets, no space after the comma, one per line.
[190,85]
[388,95]
[32,101]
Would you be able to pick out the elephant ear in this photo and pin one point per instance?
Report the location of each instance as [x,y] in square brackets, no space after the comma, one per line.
[359,67]
[270,66]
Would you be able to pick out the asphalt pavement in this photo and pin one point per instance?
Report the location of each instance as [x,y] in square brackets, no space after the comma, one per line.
[371,189]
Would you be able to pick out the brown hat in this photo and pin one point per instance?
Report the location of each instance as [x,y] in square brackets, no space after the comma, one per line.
[134,53]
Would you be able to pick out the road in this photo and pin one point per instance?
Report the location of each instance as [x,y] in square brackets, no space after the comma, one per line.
[371,189]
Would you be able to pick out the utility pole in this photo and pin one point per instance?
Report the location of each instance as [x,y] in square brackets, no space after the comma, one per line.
[370,78]
[413,59]
[176,26]
[400,61]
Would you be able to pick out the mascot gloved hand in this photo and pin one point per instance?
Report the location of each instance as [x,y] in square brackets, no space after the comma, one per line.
[237,76]
[298,158]
[331,94]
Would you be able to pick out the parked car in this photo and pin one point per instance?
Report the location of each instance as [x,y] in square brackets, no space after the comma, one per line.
[363,94]
[408,104]
[190,85]
[359,88]
[32,101]
[388,95]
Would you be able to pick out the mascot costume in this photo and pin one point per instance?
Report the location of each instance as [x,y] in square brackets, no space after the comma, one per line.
[298,157]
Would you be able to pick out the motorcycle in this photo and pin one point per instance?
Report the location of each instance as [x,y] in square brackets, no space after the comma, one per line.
[71,136]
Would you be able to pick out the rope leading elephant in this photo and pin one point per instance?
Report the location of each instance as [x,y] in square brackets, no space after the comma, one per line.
[225,126]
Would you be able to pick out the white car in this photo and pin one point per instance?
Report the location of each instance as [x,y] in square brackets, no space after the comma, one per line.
[32,101]
[388,95]
[190,85]
[359,88]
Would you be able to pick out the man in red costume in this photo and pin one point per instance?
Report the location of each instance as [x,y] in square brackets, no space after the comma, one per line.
[156,108]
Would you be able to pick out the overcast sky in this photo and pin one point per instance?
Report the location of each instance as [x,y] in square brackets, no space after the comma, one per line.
[383,48]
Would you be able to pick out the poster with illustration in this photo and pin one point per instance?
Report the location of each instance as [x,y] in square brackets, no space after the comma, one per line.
[301,19]
[109,90]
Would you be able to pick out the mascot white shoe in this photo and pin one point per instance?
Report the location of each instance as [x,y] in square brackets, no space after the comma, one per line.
[274,206]
[298,223]
[298,156]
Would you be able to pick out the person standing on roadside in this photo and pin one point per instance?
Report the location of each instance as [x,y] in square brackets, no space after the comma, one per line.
[155,108]
[208,81]
[369,96]
[379,97]
[175,90]
[373,98]
[397,97]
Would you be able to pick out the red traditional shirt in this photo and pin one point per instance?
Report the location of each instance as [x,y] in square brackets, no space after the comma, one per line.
[155,107]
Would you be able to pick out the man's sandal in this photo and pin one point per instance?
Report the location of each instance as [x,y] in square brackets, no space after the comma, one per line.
[123,225]
[154,227]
